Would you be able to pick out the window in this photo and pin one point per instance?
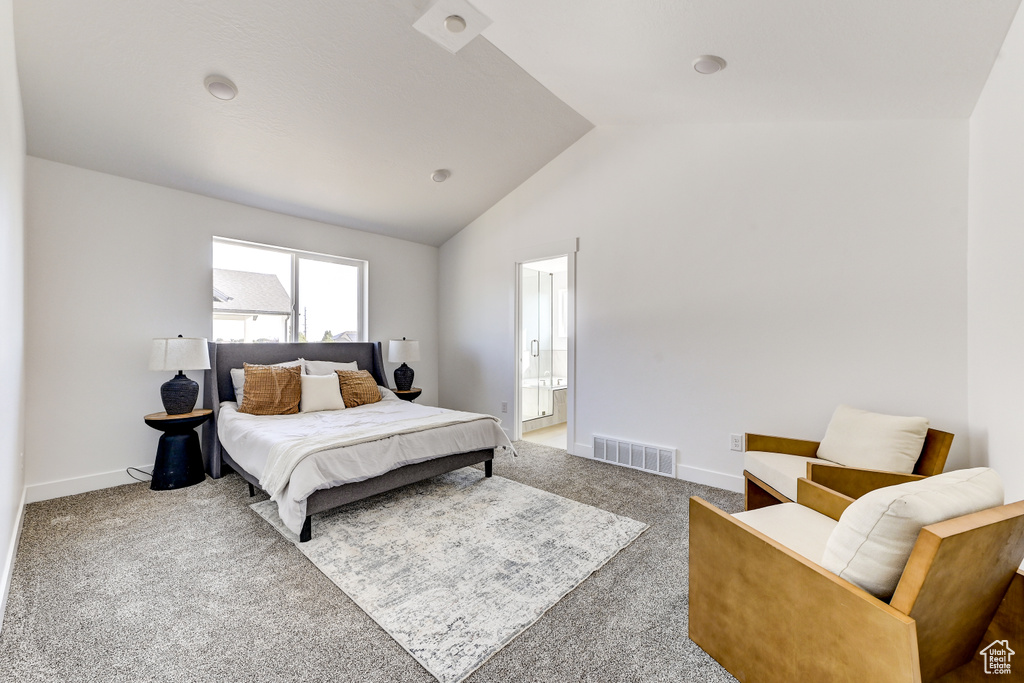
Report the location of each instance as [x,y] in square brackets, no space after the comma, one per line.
[271,294]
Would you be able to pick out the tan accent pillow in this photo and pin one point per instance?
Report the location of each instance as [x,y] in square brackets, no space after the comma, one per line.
[358,387]
[238,377]
[271,390]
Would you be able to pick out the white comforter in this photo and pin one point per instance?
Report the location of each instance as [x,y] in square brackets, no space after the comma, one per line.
[249,439]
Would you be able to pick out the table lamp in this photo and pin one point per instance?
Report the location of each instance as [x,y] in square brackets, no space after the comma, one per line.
[179,353]
[401,351]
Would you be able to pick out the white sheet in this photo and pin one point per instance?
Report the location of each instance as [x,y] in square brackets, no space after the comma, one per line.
[249,438]
[353,429]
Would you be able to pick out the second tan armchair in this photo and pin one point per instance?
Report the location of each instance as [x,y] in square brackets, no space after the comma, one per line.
[772,464]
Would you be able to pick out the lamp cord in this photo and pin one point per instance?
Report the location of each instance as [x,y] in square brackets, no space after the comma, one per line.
[129,471]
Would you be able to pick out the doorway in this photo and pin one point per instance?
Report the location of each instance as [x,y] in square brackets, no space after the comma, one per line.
[544,338]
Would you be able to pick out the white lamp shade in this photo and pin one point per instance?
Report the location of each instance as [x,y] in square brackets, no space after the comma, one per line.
[403,351]
[179,353]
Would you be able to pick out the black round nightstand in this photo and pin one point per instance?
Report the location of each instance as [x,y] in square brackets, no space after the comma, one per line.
[179,458]
[410,395]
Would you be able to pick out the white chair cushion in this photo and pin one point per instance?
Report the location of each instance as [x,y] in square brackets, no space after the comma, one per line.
[799,528]
[778,470]
[857,438]
[876,534]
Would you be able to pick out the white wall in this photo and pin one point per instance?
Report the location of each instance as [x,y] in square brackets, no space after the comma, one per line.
[112,263]
[730,278]
[12,297]
[995,263]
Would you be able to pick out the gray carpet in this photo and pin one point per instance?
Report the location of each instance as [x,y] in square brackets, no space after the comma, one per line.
[129,584]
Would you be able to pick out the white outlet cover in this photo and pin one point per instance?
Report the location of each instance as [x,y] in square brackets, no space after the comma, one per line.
[432,23]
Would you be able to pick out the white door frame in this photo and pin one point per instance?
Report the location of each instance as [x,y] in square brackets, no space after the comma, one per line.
[567,248]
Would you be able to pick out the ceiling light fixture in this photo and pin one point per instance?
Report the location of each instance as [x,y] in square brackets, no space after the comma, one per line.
[452,24]
[455,23]
[440,175]
[708,64]
[220,87]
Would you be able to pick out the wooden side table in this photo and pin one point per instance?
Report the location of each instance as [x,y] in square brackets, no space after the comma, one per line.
[179,457]
[410,395]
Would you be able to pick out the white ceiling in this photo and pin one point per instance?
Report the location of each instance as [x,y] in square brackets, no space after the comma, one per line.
[344,109]
[630,62]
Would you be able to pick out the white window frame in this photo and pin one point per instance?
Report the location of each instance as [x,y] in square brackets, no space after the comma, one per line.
[296,254]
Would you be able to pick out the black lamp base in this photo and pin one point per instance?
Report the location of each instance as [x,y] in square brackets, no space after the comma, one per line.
[179,394]
[403,377]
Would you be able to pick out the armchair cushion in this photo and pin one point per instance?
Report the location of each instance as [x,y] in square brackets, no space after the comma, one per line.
[799,528]
[876,533]
[778,470]
[857,438]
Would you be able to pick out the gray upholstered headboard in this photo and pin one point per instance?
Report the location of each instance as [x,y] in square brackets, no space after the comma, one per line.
[225,356]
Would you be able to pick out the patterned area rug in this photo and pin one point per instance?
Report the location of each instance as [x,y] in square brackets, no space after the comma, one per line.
[455,567]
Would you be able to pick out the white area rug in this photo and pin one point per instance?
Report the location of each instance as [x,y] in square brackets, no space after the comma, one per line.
[455,567]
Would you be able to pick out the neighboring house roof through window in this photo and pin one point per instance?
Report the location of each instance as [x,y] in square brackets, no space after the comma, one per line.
[239,291]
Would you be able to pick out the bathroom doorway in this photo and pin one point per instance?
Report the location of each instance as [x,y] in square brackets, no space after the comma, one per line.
[544,337]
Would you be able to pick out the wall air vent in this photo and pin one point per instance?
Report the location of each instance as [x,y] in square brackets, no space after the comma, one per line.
[656,459]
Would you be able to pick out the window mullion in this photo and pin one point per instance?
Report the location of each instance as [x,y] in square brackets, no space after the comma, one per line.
[295,297]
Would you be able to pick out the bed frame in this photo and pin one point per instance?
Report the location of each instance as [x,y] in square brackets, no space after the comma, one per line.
[218,387]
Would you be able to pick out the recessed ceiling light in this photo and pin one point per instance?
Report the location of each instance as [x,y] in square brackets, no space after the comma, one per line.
[440,175]
[452,24]
[220,87]
[708,64]
[455,24]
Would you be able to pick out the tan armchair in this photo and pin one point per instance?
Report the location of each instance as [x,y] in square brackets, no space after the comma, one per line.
[772,464]
[768,613]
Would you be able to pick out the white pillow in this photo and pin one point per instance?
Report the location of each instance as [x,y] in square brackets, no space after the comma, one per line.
[857,438]
[327,367]
[320,392]
[872,542]
[238,377]
[387,395]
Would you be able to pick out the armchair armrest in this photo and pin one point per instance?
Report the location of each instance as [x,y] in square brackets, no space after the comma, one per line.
[780,444]
[743,582]
[821,499]
[853,481]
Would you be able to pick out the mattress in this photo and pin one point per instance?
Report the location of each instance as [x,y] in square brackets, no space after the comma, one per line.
[248,439]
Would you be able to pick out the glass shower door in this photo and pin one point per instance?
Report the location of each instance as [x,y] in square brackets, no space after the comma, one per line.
[536,344]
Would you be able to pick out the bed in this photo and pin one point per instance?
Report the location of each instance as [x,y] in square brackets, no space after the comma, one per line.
[423,454]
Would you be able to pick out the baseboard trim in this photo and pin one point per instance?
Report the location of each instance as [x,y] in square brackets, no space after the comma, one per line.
[582,450]
[729,482]
[12,553]
[92,482]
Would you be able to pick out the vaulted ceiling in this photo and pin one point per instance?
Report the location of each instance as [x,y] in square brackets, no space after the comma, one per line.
[803,60]
[344,109]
